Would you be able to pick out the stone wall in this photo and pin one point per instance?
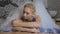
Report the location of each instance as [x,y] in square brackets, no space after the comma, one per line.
[54,5]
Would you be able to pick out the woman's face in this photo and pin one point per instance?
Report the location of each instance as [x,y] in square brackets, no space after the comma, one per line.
[27,13]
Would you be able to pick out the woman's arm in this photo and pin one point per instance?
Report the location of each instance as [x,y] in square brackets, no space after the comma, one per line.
[27,24]
[25,29]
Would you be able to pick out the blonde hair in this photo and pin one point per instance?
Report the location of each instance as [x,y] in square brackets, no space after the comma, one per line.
[31,6]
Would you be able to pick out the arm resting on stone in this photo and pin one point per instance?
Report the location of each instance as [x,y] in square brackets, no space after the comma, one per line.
[27,24]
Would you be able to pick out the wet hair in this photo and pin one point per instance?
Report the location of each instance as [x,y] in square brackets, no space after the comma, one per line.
[31,6]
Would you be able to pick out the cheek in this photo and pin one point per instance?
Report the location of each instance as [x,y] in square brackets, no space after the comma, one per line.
[30,15]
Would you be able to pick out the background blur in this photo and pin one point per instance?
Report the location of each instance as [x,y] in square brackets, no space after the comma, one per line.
[52,6]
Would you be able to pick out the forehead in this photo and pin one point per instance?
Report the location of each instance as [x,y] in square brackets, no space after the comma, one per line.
[27,8]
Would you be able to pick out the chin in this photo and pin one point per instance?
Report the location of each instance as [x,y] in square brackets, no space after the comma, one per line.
[25,18]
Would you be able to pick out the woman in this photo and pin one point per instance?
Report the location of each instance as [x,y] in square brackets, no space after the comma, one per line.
[29,21]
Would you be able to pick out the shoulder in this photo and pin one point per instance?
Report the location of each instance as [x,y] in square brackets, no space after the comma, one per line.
[37,17]
[16,20]
[38,20]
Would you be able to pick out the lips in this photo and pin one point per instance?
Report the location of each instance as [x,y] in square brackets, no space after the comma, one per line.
[25,17]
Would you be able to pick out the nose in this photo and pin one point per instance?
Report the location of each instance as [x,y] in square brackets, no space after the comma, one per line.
[24,14]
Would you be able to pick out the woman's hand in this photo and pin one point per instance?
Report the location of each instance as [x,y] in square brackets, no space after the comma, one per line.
[26,29]
[29,24]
